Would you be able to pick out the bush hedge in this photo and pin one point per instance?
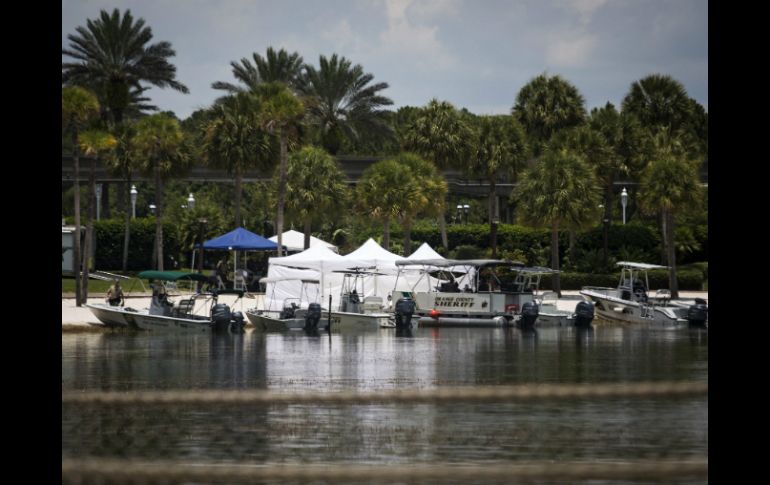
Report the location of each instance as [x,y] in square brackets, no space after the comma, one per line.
[688,279]
[109,244]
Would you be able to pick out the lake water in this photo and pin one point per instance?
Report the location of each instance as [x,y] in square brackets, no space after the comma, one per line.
[470,433]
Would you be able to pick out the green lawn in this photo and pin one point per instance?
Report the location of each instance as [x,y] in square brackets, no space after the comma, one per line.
[98,286]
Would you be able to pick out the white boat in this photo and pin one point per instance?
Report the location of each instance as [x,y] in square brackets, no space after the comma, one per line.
[355,313]
[630,302]
[291,316]
[483,300]
[164,314]
[550,315]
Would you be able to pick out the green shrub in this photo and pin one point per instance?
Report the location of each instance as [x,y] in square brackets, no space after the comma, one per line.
[109,236]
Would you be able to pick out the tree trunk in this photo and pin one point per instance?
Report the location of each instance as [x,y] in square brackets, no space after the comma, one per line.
[442,227]
[407,225]
[555,257]
[127,221]
[281,189]
[89,228]
[238,191]
[664,243]
[606,223]
[105,200]
[78,263]
[386,234]
[672,279]
[158,214]
[308,227]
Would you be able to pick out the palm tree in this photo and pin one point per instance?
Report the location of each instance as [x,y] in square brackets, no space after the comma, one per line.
[274,67]
[281,112]
[92,143]
[122,161]
[430,190]
[546,105]
[442,135]
[341,103]
[659,100]
[669,184]
[501,152]
[159,141]
[78,106]
[559,190]
[387,190]
[315,186]
[233,140]
[112,57]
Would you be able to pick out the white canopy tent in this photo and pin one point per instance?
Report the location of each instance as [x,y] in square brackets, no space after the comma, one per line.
[295,241]
[425,252]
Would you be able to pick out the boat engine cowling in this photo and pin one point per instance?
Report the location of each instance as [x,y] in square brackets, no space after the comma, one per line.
[698,314]
[221,316]
[529,313]
[404,310]
[313,316]
[237,322]
[584,314]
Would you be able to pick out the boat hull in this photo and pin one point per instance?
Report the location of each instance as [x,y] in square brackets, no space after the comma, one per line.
[117,317]
[267,323]
[617,310]
[342,321]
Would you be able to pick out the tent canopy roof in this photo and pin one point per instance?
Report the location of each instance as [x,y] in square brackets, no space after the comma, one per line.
[240,239]
[295,241]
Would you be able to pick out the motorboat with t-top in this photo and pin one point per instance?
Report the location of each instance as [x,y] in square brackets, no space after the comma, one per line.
[631,303]
[199,312]
[357,311]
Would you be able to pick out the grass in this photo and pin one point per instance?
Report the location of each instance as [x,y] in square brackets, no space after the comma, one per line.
[98,286]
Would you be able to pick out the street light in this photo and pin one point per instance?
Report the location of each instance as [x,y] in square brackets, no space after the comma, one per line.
[133,201]
[623,202]
[466,207]
[191,202]
[98,189]
[152,209]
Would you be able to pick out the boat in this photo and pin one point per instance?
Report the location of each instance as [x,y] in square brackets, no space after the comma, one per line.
[630,302]
[291,316]
[484,300]
[550,315]
[357,312]
[163,314]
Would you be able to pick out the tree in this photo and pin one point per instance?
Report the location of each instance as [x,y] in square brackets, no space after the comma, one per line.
[669,184]
[501,152]
[159,142]
[559,190]
[341,103]
[281,112]
[546,105]
[234,140]
[441,135]
[277,66]
[78,107]
[122,161]
[315,186]
[113,58]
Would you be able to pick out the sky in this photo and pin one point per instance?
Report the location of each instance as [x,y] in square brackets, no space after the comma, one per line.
[476,54]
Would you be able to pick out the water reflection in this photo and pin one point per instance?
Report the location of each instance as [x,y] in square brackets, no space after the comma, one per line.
[426,357]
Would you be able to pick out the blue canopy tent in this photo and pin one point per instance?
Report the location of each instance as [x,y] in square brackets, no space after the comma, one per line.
[240,240]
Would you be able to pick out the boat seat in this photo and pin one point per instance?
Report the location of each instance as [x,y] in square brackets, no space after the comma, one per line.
[373,303]
[185,307]
[663,296]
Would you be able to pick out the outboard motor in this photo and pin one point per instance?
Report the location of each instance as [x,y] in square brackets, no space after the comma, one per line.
[221,316]
[404,310]
[237,322]
[584,314]
[313,316]
[698,314]
[529,313]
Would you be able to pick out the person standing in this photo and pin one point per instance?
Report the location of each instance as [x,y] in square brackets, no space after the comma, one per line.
[115,294]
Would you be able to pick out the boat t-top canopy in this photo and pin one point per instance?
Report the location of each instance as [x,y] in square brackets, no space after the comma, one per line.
[446,263]
[644,266]
[289,278]
[172,276]
[360,271]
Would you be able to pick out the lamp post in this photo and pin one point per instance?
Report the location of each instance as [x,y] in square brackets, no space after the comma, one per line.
[459,217]
[191,202]
[152,209]
[466,207]
[98,189]
[133,201]
[623,202]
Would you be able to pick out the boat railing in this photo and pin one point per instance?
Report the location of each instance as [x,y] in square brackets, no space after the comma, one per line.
[603,290]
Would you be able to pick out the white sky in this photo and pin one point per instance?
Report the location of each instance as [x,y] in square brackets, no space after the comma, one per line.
[475,54]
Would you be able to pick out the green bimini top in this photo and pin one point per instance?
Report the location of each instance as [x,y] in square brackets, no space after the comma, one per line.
[172,276]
